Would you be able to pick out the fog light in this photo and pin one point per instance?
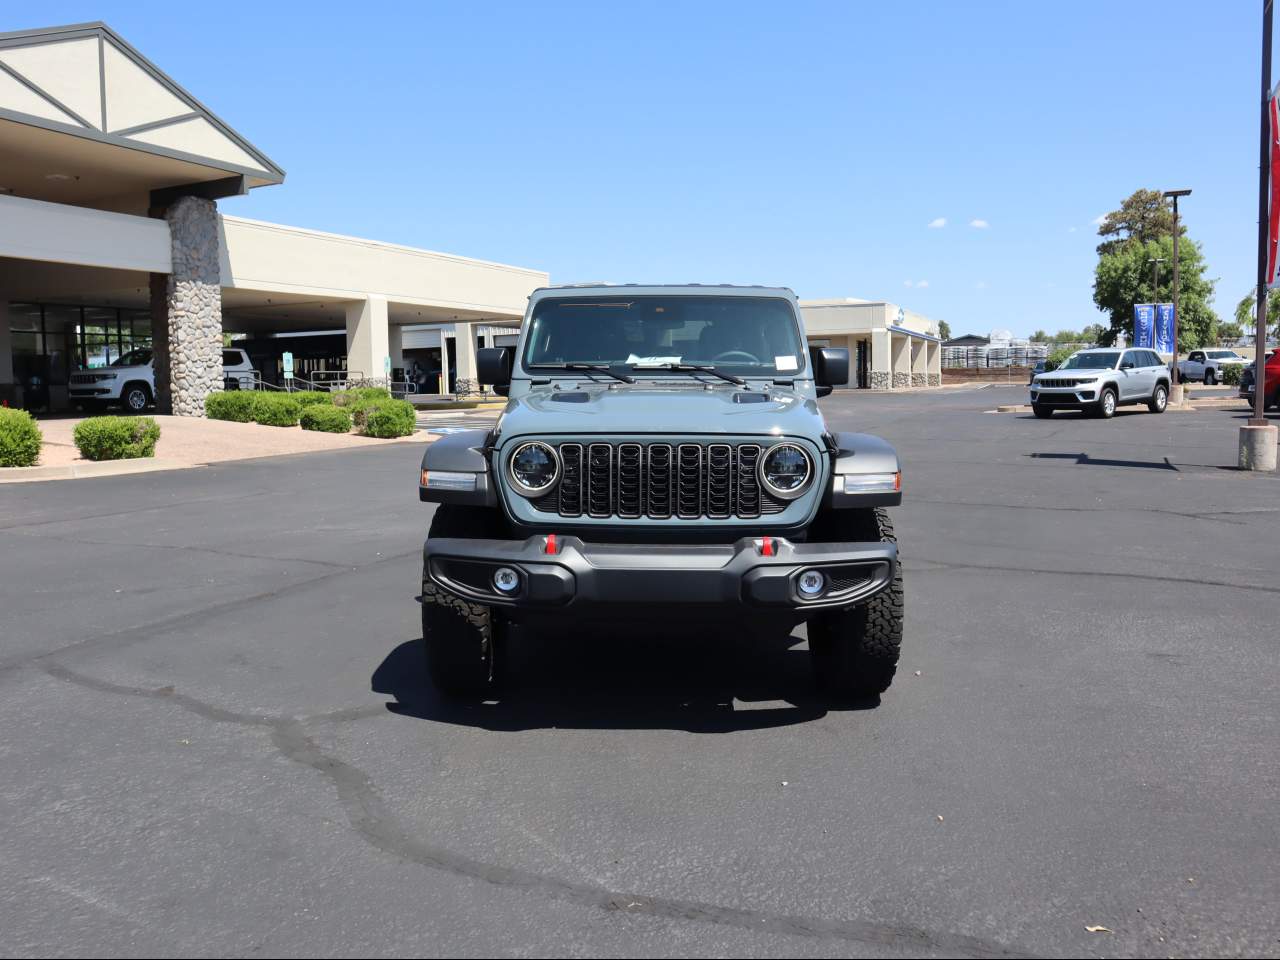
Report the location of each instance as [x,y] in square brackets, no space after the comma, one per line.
[506,580]
[811,584]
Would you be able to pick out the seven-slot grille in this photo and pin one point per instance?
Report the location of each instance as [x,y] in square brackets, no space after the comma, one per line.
[1060,384]
[660,481]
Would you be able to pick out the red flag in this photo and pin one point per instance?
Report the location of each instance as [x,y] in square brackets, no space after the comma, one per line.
[1273,203]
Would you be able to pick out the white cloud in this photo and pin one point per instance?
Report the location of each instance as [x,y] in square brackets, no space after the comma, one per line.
[1071,229]
[937,223]
[920,284]
[979,224]
[980,285]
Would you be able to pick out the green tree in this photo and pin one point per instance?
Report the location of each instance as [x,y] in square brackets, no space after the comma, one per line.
[1144,215]
[944,330]
[1123,277]
[1247,317]
[1067,336]
[1094,333]
[1230,331]
[1039,337]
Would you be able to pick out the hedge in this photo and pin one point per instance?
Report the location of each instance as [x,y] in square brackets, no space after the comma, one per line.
[20,438]
[116,438]
[319,416]
[234,405]
[390,418]
[276,409]
[1231,372]
[345,398]
[309,397]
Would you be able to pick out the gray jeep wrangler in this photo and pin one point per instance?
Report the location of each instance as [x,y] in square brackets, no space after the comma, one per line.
[662,459]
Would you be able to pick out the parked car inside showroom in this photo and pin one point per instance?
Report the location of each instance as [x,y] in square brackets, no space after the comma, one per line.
[130,380]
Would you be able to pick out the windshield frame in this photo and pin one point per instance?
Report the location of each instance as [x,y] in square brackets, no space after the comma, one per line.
[543,368]
[1115,359]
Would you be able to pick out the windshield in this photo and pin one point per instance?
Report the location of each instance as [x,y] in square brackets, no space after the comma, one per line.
[747,336]
[1091,361]
[1222,354]
[134,358]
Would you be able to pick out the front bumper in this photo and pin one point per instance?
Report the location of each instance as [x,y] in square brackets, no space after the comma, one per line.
[651,578]
[1064,398]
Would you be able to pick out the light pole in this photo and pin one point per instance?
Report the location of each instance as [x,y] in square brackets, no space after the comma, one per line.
[1175,394]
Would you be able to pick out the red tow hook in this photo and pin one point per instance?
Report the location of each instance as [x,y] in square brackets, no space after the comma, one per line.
[766,547]
[549,545]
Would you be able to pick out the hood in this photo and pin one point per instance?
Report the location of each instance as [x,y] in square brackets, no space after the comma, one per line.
[663,409]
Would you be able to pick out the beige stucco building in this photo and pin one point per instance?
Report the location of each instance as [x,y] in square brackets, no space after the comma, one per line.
[890,348]
[110,238]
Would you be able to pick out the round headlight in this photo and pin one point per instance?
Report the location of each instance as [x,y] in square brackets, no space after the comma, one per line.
[534,468]
[786,470]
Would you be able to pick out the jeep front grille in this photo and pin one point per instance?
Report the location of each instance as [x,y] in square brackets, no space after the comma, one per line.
[631,480]
[1060,384]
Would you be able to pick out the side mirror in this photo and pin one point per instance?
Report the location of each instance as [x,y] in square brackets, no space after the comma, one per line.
[830,367]
[1126,365]
[493,366]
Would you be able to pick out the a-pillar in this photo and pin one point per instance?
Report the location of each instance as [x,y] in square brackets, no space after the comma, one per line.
[186,311]
[881,360]
[901,361]
[464,342]
[368,338]
[935,364]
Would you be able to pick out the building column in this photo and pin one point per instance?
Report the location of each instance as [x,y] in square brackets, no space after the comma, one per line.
[919,362]
[6,343]
[935,364]
[881,362]
[444,362]
[395,345]
[186,311]
[368,336]
[901,350]
[464,342]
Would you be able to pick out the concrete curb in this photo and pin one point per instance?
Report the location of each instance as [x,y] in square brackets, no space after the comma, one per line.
[103,468]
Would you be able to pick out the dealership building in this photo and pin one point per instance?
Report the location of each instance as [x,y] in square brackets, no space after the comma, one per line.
[111,239]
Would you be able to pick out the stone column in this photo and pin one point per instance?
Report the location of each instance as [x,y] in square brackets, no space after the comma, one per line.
[935,364]
[464,342]
[900,348]
[881,362]
[186,311]
[919,362]
[368,336]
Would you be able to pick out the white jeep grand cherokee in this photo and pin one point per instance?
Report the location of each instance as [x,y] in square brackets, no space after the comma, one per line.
[131,382]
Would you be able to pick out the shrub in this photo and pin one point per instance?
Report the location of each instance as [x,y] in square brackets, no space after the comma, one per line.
[320,416]
[116,438]
[1231,373]
[234,405]
[308,398]
[390,418]
[20,438]
[276,409]
[358,395]
[1057,358]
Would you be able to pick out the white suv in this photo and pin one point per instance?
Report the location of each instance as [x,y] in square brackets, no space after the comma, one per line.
[131,382]
[1097,381]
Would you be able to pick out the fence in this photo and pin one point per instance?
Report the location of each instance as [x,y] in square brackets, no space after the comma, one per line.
[987,357]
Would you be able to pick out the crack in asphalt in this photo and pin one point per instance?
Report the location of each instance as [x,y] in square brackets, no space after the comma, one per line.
[127,635]
[938,566]
[377,825]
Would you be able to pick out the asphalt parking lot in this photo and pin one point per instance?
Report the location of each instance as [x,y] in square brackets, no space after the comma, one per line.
[217,740]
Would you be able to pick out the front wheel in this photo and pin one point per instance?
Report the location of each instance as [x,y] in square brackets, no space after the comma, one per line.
[1210,378]
[461,638]
[1159,399]
[855,652]
[1107,404]
[135,397]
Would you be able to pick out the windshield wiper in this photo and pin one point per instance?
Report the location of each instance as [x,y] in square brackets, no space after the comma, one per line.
[691,368]
[593,367]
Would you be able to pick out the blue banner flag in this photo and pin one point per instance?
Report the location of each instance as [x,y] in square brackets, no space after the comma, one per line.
[1144,325]
[1164,328]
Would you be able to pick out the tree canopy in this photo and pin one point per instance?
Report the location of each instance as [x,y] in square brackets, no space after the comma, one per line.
[944,330]
[1247,318]
[1139,232]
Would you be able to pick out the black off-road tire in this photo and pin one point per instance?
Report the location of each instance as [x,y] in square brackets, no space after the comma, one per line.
[460,638]
[1159,399]
[854,652]
[1041,411]
[1210,378]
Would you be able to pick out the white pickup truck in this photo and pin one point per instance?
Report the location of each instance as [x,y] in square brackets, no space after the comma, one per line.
[1207,365]
[130,381]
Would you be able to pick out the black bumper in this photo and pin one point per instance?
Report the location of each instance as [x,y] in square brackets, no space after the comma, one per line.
[652,578]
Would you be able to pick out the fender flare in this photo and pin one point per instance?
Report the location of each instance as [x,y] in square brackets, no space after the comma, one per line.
[862,453]
[465,452]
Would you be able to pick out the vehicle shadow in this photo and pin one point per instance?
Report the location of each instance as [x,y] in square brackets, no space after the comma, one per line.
[688,682]
[1083,459]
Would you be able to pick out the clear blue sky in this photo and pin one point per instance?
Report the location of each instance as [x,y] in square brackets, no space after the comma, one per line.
[803,144]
